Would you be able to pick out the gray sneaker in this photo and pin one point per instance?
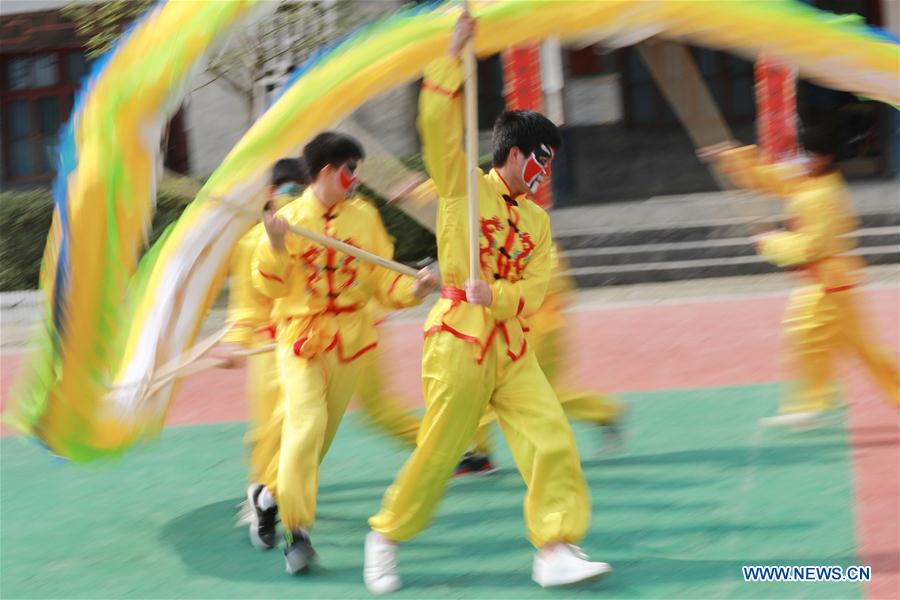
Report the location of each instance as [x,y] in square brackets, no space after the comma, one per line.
[298,552]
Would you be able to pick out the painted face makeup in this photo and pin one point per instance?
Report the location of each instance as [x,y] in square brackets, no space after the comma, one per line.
[537,167]
[283,194]
[349,180]
[288,189]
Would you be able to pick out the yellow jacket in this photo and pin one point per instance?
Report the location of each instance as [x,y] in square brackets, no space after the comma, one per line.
[515,240]
[321,294]
[820,223]
[248,308]
[549,316]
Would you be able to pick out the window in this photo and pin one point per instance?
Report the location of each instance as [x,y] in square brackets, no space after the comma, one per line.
[37,95]
[29,72]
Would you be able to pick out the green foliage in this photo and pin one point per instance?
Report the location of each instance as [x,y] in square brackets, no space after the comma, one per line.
[24,223]
[412,242]
[25,220]
[290,32]
[101,24]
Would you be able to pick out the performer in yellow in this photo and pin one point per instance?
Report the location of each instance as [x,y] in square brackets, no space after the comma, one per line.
[380,408]
[546,329]
[475,349]
[823,316]
[322,326]
[249,311]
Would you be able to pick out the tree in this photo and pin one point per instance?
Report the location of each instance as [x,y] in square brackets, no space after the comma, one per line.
[255,57]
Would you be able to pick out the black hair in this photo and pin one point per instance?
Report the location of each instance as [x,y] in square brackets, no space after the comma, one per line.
[823,139]
[835,134]
[287,170]
[330,148]
[525,129]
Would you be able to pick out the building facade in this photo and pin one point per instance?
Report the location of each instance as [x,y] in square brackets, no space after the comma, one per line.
[622,140]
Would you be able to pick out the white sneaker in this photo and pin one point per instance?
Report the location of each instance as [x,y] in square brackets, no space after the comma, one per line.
[380,568]
[565,564]
[244,514]
[799,421]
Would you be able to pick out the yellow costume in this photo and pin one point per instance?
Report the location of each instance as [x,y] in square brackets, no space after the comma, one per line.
[546,328]
[322,328]
[250,311]
[823,315]
[478,355]
[379,407]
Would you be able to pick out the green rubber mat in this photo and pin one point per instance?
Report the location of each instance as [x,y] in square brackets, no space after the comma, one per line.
[698,492]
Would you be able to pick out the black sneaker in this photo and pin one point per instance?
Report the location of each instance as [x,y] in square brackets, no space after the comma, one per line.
[474,463]
[298,552]
[262,522]
[614,439]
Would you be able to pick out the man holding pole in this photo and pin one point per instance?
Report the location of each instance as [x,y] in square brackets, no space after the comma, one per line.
[475,350]
[322,325]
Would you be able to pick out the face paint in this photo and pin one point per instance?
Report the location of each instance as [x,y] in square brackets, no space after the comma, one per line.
[283,194]
[537,167]
[288,189]
[348,176]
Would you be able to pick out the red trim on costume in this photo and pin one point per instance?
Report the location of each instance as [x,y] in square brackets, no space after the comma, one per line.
[487,344]
[453,293]
[270,330]
[813,270]
[488,228]
[309,259]
[394,284]
[348,270]
[516,357]
[457,296]
[339,310]
[433,87]
[840,288]
[271,277]
[510,353]
[520,309]
[448,329]
[362,351]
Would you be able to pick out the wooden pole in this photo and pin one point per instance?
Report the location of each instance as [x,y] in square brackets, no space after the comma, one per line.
[333,244]
[199,366]
[470,67]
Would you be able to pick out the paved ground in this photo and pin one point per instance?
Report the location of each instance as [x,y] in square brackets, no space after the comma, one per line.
[699,491]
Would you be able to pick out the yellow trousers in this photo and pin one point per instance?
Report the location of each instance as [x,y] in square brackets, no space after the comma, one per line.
[817,325]
[457,390]
[592,407]
[316,394]
[381,409]
[264,429]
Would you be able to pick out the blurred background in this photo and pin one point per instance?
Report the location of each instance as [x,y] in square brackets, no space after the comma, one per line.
[623,142]
[675,314]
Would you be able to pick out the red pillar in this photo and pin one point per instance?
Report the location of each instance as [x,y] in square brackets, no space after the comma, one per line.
[776,110]
[522,88]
